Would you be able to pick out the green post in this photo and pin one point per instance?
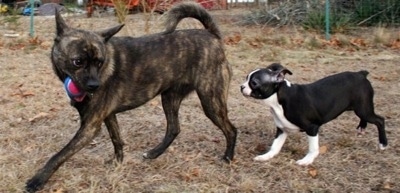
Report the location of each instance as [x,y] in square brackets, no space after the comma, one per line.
[327,12]
[31,31]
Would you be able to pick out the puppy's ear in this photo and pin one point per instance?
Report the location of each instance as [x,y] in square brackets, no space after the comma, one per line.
[108,33]
[62,27]
[278,71]
[281,74]
[275,67]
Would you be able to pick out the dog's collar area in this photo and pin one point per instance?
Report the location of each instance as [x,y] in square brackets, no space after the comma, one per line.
[73,92]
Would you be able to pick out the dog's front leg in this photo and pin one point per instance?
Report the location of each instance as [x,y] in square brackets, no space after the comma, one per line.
[313,151]
[276,146]
[113,129]
[83,137]
[171,101]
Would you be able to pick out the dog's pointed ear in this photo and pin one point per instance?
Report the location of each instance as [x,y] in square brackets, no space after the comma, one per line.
[108,33]
[278,71]
[60,23]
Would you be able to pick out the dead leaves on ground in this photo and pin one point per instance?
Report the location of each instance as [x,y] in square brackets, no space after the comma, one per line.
[24,43]
[20,92]
[19,95]
[233,39]
[317,42]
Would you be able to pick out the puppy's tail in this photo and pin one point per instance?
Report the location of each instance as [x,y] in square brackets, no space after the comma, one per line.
[194,10]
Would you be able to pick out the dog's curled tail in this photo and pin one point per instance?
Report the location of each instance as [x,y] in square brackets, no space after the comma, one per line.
[364,73]
[194,10]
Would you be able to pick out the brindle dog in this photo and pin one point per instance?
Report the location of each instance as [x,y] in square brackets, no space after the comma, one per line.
[121,73]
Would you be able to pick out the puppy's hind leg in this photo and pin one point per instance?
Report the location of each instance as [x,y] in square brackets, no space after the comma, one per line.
[366,112]
[276,146]
[113,130]
[380,124]
[171,101]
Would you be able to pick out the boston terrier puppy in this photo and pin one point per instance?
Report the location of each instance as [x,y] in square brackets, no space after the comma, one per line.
[306,107]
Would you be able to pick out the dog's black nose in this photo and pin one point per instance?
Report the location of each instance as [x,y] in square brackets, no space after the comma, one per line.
[92,85]
[242,87]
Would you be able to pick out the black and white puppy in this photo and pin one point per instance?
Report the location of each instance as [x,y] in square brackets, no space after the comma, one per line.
[306,107]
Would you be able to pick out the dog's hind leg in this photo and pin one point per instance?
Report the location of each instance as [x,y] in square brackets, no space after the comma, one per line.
[380,124]
[366,112]
[171,101]
[83,137]
[113,129]
[215,108]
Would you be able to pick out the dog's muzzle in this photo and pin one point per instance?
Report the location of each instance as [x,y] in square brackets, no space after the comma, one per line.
[245,91]
[92,85]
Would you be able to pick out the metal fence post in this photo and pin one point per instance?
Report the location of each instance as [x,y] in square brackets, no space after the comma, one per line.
[327,24]
[31,31]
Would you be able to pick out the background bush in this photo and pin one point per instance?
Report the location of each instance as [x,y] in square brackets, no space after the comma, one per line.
[311,14]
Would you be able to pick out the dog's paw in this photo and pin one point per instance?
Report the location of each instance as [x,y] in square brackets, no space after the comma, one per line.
[382,147]
[33,185]
[264,157]
[150,155]
[307,160]
[145,155]
[304,162]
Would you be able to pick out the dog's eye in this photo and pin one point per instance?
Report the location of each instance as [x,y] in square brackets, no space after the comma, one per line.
[253,83]
[78,62]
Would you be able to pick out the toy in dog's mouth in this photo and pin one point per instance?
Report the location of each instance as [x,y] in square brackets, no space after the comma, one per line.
[73,91]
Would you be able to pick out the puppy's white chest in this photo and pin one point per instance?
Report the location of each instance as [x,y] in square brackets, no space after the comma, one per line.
[279,117]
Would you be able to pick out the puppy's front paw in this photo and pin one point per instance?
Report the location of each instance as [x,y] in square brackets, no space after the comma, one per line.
[264,157]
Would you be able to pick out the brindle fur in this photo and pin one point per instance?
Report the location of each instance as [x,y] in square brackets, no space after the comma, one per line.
[122,73]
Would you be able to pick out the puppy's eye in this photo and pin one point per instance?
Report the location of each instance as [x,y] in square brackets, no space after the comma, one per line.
[253,83]
[78,62]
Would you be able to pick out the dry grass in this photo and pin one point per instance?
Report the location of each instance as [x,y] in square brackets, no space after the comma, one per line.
[37,121]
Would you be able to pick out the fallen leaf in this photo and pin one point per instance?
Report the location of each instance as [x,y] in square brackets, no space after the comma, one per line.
[395,44]
[358,42]
[27,93]
[233,40]
[255,44]
[59,190]
[41,115]
[323,149]
[313,172]
[195,172]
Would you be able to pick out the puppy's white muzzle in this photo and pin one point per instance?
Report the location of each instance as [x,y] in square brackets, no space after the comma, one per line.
[245,89]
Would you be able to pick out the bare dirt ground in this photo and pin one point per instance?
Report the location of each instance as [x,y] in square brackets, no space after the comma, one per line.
[36,120]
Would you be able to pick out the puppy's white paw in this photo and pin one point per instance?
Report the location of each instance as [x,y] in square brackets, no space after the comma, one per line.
[381,147]
[307,160]
[264,157]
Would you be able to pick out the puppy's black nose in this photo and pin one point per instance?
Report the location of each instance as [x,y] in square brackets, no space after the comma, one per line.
[92,85]
[242,87]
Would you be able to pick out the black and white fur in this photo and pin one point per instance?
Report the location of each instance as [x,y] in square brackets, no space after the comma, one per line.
[306,107]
